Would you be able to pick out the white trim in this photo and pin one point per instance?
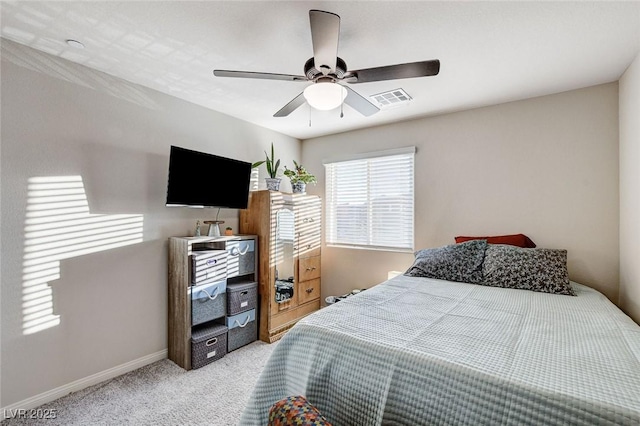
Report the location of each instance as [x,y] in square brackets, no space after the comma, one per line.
[375,248]
[374,154]
[53,394]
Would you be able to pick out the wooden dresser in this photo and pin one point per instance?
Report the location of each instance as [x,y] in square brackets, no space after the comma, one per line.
[289,238]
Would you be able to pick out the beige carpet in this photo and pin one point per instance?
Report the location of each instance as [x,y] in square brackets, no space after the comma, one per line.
[164,394]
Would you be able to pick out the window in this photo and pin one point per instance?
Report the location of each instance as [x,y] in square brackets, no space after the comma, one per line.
[369,200]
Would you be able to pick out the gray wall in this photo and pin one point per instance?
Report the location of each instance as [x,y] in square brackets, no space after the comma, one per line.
[630,190]
[61,119]
[546,167]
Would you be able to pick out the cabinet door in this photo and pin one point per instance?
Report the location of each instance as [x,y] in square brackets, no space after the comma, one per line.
[308,226]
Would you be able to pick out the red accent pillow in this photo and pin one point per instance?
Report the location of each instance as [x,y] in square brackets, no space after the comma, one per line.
[519,240]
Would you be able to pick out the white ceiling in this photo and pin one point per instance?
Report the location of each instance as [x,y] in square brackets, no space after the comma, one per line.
[490,52]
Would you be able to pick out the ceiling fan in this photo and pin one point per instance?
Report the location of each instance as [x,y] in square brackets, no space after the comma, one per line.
[326,70]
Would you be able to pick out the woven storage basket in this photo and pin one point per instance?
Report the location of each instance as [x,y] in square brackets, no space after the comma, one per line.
[208,266]
[208,301]
[208,344]
[243,329]
[241,297]
[242,258]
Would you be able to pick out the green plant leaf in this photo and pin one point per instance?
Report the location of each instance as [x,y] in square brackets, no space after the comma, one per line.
[275,170]
[268,161]
[257,164]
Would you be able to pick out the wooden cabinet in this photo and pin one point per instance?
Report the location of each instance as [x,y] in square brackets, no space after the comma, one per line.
[238,254]
[289,230]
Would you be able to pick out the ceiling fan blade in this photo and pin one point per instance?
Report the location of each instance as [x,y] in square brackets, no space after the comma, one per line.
[393,72]
[359,103]
[325,30]
[294,104]
[261,75]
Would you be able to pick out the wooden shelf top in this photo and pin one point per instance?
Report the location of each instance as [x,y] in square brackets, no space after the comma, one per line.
[207,239]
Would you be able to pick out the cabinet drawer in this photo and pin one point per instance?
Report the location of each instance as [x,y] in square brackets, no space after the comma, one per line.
[308,290]
[308,268]
[242,258]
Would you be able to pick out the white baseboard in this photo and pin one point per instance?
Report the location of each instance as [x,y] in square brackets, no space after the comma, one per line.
[53,394]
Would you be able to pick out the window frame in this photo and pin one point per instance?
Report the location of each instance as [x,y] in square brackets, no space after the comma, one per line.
[330,210]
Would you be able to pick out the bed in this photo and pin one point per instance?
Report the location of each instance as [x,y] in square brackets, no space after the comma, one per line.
[416,350]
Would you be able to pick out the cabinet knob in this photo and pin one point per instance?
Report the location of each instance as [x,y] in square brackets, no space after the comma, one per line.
[309,290]
[311,268]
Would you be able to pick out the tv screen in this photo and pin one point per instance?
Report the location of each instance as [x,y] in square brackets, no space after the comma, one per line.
[198,179]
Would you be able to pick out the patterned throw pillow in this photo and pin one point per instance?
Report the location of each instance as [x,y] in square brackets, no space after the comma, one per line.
[295,410]
[457,262]
[536,269]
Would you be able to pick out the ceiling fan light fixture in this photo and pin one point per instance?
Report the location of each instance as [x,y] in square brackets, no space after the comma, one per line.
[325,96]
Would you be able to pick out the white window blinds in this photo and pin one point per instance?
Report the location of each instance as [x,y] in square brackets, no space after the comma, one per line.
[369,200]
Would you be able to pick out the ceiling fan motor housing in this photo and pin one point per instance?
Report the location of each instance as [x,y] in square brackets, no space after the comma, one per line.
[313,74]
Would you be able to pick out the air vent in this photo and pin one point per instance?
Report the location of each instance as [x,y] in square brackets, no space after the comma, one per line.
[392,98]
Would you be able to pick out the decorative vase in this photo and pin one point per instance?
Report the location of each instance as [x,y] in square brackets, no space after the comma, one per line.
[299,187]
[273,184]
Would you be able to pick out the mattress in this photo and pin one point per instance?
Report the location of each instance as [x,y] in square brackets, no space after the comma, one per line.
[424,351]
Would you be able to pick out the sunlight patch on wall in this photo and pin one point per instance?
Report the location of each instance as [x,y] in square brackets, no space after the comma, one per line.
[254,179]
[59,226]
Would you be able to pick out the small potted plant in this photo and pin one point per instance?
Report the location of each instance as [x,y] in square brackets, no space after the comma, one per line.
[228,231]
[299,177]
[273,182]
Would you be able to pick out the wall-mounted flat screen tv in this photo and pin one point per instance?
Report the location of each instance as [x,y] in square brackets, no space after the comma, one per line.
[198,179]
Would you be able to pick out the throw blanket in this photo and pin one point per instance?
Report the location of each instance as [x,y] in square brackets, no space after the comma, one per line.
[423,351]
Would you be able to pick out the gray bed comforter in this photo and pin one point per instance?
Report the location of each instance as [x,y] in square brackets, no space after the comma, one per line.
[420,351]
